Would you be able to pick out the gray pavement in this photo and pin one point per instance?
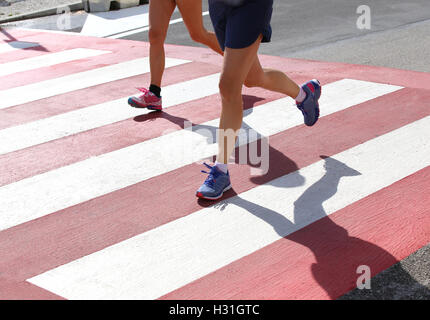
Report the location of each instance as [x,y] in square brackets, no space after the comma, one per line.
[327,30]
[405,47]
[50,21]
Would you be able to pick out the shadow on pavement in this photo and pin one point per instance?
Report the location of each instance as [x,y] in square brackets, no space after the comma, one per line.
[337,254]
[33,45]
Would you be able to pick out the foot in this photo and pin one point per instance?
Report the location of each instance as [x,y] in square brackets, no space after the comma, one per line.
[310,106]
[146,99]
[215,184]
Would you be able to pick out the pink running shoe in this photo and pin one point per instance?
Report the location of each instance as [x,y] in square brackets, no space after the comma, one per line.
[145,100]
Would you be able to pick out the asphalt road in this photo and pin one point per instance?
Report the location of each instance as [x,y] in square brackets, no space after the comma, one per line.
[327,30]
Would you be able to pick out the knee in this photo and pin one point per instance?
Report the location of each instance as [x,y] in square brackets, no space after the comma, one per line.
[155,36]
[229,91]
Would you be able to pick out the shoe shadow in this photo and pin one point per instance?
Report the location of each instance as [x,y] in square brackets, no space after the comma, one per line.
[248,103]
[207,131]
[337,254]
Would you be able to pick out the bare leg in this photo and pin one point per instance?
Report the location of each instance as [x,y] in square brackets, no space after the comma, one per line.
[160,12]
[191,11]
[270,79]
[237,64]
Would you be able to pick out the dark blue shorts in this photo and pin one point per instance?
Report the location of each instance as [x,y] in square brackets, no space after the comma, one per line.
[238,23]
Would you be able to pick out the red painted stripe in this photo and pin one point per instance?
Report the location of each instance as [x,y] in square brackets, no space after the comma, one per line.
[15,34]
[11,34]
[22,54]
[58,153]
[320,261]
[7,36]
[71,233]
[23,290]
[59,104]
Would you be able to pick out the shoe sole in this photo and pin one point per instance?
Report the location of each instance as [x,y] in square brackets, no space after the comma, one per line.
[134,104]
[217,197]
[319,84]
[317,109]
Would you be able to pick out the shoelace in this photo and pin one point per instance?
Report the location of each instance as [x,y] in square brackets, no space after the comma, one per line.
[210,180]
[144,92]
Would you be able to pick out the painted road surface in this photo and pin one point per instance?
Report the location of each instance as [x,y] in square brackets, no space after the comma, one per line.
[90,186]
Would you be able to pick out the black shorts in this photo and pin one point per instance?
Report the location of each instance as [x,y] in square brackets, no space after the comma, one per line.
[238,23]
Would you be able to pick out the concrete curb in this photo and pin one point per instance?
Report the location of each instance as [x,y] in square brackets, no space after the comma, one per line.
[78,5]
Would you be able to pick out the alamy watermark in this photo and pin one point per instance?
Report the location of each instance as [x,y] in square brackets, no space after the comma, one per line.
[363,281]
[64,20]
[364,21]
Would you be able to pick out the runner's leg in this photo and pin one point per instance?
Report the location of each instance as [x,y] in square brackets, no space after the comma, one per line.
[237,64]
[160,12]
[270,79]
[191,11]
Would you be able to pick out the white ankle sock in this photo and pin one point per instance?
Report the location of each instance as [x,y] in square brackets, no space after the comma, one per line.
[302,96]
[221,166]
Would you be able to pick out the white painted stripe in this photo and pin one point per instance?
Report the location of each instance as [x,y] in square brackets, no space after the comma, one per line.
[166,258]
[48,60]
[16,45]
[49,192]
[129,33]
[102,24]
[49,88]
[146,28]
[66,124]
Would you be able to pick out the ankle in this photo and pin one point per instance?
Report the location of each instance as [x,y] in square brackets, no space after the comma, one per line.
[301,96]
[223,167]
[155,90]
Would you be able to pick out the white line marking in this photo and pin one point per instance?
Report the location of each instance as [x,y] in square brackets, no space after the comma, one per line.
[102,24]
[164,259]
[49,88]
[48,60]
[146,28]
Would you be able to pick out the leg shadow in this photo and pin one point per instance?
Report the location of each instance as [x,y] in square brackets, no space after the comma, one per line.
[248,104]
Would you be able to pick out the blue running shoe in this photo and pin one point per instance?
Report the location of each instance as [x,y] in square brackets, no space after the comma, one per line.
[215,184]
[310,107]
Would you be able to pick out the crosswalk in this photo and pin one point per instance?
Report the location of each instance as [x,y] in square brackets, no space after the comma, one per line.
[97,198]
